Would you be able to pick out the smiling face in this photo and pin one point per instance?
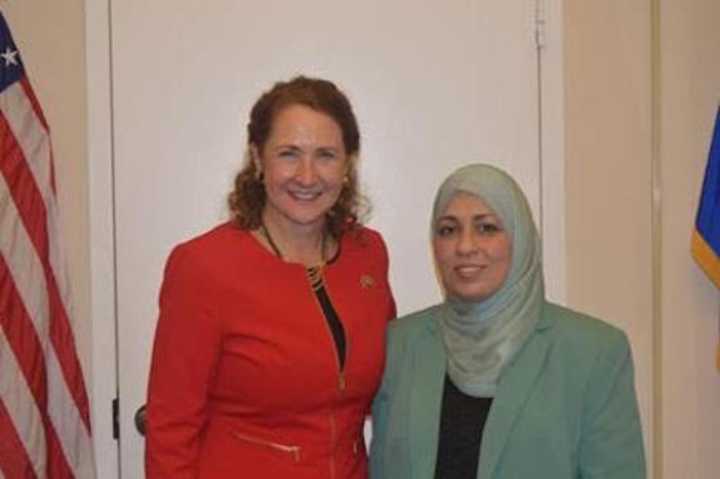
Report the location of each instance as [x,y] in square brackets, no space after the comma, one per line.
[472,249]
[303,161]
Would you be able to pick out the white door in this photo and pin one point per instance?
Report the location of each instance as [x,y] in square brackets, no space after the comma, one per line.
[435,84]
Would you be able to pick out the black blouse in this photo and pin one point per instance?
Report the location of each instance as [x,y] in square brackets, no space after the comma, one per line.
[315,275]
[462,421]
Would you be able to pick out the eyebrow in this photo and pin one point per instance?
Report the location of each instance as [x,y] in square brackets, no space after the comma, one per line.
[475,217]
[328,149]
[295,147]
[286,146]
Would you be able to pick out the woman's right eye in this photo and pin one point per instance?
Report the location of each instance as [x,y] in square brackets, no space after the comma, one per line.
[445,230]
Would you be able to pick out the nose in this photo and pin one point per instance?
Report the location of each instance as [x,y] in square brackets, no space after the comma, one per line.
[306,174]
[467,243]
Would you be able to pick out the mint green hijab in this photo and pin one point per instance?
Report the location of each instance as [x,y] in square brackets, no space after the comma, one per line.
[481,338]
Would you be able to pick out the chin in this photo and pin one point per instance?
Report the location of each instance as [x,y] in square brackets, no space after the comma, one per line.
[306,216]
[471,296]
[306,220]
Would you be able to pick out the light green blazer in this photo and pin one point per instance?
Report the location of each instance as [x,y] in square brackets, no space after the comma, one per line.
[565,406]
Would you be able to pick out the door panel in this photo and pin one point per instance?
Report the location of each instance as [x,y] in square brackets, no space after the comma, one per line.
[434,84]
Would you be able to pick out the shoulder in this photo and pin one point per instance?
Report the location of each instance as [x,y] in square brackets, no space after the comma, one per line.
[581,328]
[207,251]
[363,237]
[407,328]
[212,244]
[582,339]
[365,245]
[216,237]
[408,335]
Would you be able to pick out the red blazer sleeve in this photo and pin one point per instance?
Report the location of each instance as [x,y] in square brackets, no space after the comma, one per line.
[386,268]
[380,253]
[185,354]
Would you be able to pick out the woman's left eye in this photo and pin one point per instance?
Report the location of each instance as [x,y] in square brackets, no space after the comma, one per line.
[487,228]
[326,155]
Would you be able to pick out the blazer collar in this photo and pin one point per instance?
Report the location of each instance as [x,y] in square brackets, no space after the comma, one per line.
[515,386]
[426,401]
[429,367]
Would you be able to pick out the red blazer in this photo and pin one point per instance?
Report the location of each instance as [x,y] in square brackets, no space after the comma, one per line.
[245,380]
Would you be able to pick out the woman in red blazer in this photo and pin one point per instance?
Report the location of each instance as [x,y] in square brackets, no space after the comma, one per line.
[270,341]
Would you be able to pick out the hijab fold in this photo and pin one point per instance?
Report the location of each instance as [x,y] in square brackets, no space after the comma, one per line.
[482,338]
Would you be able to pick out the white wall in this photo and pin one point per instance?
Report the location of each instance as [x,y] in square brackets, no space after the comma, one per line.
[690,95]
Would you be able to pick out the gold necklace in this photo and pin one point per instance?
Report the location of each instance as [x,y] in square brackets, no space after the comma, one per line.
[279,254]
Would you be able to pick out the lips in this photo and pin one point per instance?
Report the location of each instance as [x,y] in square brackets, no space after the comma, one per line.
[469,270]
[304,195]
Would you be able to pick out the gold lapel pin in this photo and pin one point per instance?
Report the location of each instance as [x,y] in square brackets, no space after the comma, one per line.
[367,281]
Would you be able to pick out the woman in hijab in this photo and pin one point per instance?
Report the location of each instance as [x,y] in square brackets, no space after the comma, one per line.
[496,382]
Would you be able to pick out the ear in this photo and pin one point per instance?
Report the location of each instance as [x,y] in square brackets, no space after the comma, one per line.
[351,162]
[255,157]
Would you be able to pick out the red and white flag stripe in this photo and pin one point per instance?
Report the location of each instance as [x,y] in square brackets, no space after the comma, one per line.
[44,410]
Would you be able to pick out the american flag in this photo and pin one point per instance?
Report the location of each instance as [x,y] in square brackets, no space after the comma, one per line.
[44,410]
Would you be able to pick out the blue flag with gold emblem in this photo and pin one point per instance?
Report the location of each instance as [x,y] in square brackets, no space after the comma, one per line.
[706,236]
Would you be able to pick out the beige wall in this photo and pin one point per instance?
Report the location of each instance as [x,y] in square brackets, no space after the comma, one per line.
[51,38]
[690,94]
[610,95]
[608,165]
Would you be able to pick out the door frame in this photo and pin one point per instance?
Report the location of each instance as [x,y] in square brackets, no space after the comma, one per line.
[101,200]
[103,296]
